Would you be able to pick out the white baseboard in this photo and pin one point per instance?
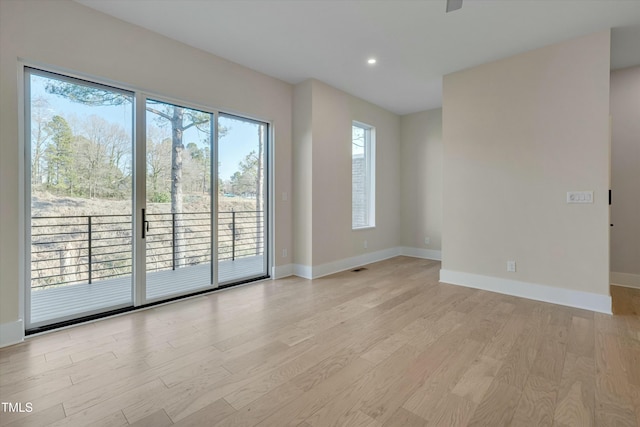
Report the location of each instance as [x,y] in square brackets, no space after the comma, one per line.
[353,262]
[421,253]
[568,297]
[627,280]
[303,271]
[316,271]
[280,271]
[11,333]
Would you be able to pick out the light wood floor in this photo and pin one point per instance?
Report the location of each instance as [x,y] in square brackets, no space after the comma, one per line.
[388,346]
[625,301]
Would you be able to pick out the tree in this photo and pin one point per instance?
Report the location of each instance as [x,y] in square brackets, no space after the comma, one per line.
[158,166]
[200,167]
[58,155]
[243,181]
[39,138]
[101,150]
[176,116]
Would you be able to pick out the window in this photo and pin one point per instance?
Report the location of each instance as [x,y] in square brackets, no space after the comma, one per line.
[363,161]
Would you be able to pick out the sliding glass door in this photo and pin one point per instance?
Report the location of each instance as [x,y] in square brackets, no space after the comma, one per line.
[196,220]
[178,214]
[242,219]
[80,147]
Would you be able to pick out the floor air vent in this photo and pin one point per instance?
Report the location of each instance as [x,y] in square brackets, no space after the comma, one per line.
[357,270]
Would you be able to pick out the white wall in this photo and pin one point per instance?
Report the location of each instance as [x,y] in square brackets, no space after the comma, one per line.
[332,242]
[518,134]
[302,168]
[421,189]
[625,177]
[68,35]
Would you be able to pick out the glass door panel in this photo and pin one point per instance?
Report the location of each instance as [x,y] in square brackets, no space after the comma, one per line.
[242,199]
[80,171]
[178,219]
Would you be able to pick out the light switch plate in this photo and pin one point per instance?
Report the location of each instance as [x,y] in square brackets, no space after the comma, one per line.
[579,196]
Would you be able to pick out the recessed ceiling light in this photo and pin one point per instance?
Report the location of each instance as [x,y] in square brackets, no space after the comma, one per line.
[371,61]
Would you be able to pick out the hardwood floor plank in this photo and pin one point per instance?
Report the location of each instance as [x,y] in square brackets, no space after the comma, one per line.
[537,403]
[205,367]
[358,419]
[35,346]
[316,398]
[34,367]
[501,343]
[117,419]
[439,367]
[446,373]
[453,411]
[476,380]
[498,405]
[104,409]
[42,418]
[369,388]
[576,396]
[263,384]
[21,391]
[614,401]
[609,355]
[405,418]
[625,301]
[157,419]
[262,407]
[581,337]
[270,329]
[208,416]
[635,400]
[630,349]
[517,364]
[325,368]
[386,347]
[549,360]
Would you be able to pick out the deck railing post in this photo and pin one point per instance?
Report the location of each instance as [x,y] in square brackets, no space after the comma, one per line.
[90,244]
[233,235]
[173,240]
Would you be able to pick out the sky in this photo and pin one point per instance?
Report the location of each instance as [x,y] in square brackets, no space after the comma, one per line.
[240,139]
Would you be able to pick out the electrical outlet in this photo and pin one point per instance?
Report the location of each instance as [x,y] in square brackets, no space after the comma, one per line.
[365,244]
[284,253]
[427,240]
[511,266]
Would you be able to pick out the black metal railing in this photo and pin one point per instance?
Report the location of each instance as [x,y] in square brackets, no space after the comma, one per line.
[84,249]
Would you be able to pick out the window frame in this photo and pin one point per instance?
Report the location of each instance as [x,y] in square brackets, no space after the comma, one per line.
[370,175]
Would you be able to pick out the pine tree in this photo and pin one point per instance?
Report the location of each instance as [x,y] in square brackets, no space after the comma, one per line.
[59,156]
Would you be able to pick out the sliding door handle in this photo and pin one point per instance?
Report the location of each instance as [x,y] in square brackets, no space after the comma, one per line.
[145,225]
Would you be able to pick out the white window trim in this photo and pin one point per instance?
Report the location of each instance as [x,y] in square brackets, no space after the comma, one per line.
[370,165]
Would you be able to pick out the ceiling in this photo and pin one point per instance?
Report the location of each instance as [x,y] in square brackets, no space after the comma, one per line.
[414,41]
